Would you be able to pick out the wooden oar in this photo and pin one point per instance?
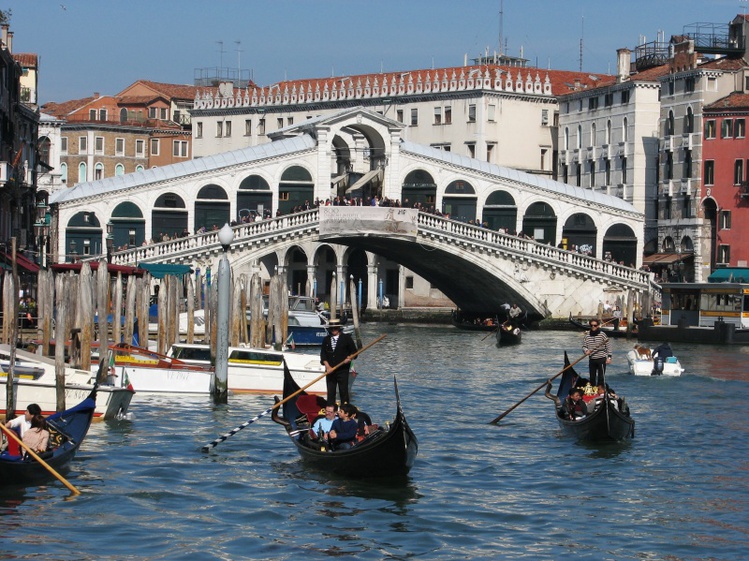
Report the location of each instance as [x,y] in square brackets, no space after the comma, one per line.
[492,332]
[34,455]
[562,371]
[235,430]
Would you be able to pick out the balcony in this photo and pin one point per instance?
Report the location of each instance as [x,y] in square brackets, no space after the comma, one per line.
[686,186]
[686,141]
[744,189]
[668,143]
[591,152]
[606,151]
[623,151]
[716,38]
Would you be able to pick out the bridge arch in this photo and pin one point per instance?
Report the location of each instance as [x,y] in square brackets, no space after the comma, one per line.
[540,222]
[129,225]
[254,197]
[295,187]
[580,232]
[211,207]
[620,244]
[501,211]
[170,213]
[419,187]
[459,200]
[83,236]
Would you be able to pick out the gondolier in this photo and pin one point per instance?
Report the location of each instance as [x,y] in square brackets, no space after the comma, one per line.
[336,349]
[597,346]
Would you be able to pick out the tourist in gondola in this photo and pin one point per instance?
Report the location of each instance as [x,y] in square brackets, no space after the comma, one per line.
[342,435]
[23,423]
[37,437]
[597,347]
[574,407]
[336,349]
[324,424]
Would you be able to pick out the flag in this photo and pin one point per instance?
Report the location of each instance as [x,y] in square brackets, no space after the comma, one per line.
[290,341]
[126,380]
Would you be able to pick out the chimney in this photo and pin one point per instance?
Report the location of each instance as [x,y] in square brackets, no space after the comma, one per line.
[623,63]
[4,33]
[10,41]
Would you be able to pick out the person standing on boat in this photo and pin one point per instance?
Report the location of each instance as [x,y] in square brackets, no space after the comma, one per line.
[337,348]
[597,347]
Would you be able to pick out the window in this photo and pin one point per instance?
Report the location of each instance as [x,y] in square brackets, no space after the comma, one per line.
[92,114]
[689,121]
[99,144]
[119,146]
[686,210]
[64,172]
[608,99]
[152,112]
[279,123]
[592,175]
[608,132]
[102,114]
[471,149]
[592,103]
[283,196]
[739,129]
[82,144]
[492,113]
[670,126]
[399,115]
[625,97]
[409,281]
[227,129]
[625,130]
[724,254]
[154,147]
[544,152]
[671,87]
[179,148]
[438,115]
[667,206]
[738,172]
[448,115]
[414,117]
[199,130]
[64,145]
[261,126]
[725,219]
[98,171]
[710,128]
[579,137]
[687,164]
[607,171]
[709,172]
[140,148]
[81,172]
[248,127]
[726,128]
[689,84]
[544,117]
[489,150]
[219,129]
[162,113]
[624,170]
[472,113]
[119,169]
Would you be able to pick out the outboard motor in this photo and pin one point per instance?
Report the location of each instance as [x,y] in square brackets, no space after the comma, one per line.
[657,367]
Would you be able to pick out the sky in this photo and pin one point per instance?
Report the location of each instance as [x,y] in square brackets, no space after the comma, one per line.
[88,46]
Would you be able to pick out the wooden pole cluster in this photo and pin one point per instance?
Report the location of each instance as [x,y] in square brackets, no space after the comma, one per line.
[257,326]
[355,312]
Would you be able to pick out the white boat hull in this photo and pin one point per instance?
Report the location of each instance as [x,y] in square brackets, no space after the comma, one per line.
[640,366]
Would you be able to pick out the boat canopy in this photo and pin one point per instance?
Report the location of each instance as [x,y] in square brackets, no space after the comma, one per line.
[160,270]
[729,274]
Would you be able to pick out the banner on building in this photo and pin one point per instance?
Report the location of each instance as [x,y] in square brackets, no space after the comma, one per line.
[390,221]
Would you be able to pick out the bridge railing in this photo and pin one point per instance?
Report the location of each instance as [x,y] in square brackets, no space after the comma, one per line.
[524,247]
[208,242]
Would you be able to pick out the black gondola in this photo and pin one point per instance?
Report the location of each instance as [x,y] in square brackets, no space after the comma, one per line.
[67,431]
[383,453]
[609,423]
[509,334]
[612,329]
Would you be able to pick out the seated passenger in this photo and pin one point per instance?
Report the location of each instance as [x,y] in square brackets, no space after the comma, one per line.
[364,425]
[574,407]
[37,437]
[342,434]
[22,424]
[324,424]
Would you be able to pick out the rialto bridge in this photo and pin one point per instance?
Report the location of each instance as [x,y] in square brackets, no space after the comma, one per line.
[158,215]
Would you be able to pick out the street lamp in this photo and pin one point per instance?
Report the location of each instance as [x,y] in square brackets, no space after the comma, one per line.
[223,295]
[73,252]
[110,240]
[41,227]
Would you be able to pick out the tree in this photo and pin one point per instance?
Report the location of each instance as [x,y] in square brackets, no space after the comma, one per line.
[5,16]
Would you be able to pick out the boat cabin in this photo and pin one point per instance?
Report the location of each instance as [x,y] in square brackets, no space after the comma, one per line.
[704,304]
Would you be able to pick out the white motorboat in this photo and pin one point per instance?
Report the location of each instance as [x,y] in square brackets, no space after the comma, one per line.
[644,361]
[35,382]
[187,369]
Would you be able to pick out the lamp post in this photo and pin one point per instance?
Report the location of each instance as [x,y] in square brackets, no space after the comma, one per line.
[221,371]
[73,252]
[41,226]
[110,241]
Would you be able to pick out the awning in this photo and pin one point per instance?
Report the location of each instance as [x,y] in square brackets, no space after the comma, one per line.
[160,270]
[366,178]
[112,269]
[729,274]
[23,262]
[665,258]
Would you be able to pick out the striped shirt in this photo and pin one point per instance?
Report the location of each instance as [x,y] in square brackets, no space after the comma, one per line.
[599,345]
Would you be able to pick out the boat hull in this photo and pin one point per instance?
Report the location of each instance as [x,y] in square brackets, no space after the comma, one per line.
[512,336]
[605,424]
[646,367]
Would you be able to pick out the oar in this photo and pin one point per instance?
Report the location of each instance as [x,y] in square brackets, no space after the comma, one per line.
[492,332]
[34,455]
[562,371]
[235,430]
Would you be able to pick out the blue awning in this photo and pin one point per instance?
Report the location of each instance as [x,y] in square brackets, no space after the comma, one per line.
[729,274]
[160,270]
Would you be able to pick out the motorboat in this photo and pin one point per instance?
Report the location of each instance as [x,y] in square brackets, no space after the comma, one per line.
[644,361]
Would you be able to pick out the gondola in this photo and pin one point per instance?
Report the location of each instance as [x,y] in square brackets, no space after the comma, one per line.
[385,452]
[67,431]
[613,327]
[609,423]
[509,334]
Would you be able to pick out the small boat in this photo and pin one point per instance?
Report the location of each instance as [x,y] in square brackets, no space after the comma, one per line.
[607,420]
[35,382]
[509,334]
[187,368]
[474,321]
[384,452]
[67,431]
[613,327]
[644,361]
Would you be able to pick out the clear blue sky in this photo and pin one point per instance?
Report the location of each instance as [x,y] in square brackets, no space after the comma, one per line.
[88,46]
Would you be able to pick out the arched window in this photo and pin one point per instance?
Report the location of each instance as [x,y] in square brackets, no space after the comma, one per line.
[64,173]
[566,138]
[44,146]
[82,172]
[119,169]
[608,131]
[625,130]
[593,134]
[98,171]
[579,136]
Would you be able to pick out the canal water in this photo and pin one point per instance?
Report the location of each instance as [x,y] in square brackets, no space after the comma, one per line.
[518,490]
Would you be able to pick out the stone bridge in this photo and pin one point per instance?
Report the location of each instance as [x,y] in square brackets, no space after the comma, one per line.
[477,268]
